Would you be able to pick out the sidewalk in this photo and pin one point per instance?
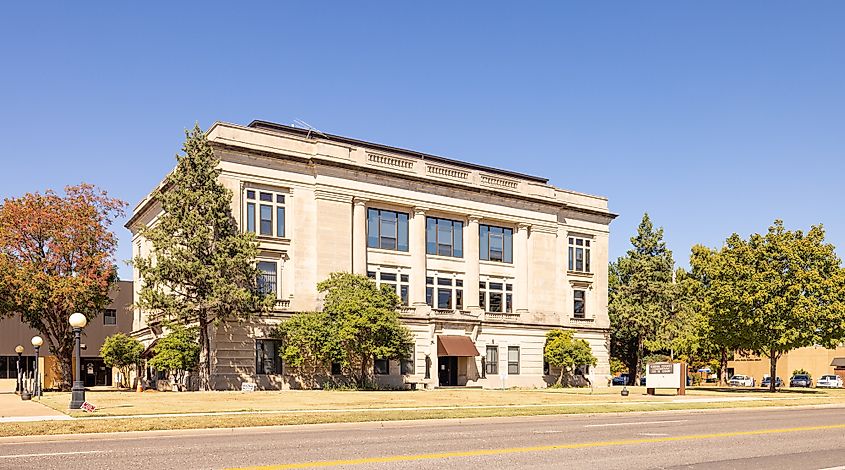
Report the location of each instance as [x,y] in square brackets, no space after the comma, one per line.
[13,409]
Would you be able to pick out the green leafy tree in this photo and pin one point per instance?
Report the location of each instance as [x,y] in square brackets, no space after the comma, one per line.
[202,267]
[794,291]
[122,352]
[308,344]
[641,294]
[176,352]
[365,323]
[565,351]
[712,293]
[57,258]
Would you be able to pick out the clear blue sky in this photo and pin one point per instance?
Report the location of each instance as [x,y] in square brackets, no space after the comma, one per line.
[715,117]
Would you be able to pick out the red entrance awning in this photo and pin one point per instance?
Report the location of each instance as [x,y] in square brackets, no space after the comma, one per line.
[456,345]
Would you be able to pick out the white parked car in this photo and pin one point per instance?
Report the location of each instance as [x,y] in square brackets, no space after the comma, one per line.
[829,381]
[741,381]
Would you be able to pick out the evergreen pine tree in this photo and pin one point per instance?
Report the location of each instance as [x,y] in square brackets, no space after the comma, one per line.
[640,296]
[202,267]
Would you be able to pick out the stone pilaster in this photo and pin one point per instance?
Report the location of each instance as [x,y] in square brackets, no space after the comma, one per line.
[521,262]
[418,267]
[471,264]
[359,236]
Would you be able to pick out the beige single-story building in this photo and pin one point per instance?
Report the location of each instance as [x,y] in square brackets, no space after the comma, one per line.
[116,318]
[816,360]
[485,260]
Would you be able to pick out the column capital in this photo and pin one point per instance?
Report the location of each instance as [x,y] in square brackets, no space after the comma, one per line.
[421,210]
[474,218]
[360,201]
[523,226]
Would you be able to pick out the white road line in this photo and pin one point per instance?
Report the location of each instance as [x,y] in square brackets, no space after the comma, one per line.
[833,468]
[18,456]
[653,434]
[637,423]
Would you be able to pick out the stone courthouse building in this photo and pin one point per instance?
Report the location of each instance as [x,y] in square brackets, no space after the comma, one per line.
[486,261]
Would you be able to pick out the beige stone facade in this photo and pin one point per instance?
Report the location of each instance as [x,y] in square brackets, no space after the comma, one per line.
[474,251]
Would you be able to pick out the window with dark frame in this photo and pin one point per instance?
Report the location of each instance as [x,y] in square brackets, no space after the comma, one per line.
[444,237]
[109,317]
[397,281]
[387,230]
[496,295]
[268,278]
[579,254]
[495,243]
[265,213]
[579,307]
[491,360]
[513,360]
[444,292]
[268,361]
[381,367]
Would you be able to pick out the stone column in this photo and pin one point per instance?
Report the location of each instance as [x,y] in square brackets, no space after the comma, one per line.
[471,264]
[521,261]
[418,269]
[359,236]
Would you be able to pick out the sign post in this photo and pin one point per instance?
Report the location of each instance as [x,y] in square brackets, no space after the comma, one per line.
[666,375]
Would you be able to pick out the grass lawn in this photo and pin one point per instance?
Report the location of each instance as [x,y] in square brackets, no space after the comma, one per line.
[276,406]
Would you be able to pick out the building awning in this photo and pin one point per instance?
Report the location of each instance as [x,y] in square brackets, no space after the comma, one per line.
[456,345]
[838,362]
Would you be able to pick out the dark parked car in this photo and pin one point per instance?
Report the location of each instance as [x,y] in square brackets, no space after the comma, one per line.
[767,381]
[801,380]
[620,380]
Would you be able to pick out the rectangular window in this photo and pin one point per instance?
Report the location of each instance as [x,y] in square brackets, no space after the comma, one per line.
[110,317]
[268,278]
[491,361]
[267,358]
[445,290]
[579,255]
[513,360]
[270,218]
[495,243]
[444,237]
[579,310]
[381,367]
[399,283]
[250,217]
[266,220]
[387,230]
[496,296]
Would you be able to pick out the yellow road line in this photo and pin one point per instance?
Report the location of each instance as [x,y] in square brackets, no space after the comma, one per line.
[518,450]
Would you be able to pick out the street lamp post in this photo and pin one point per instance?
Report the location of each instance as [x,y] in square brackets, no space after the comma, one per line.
[19,385]
[78,322]
[37,342]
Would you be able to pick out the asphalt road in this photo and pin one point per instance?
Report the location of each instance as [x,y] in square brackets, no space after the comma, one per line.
[805,438]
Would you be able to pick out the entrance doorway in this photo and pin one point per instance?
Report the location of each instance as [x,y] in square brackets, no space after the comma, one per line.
[448,371]
[95,372]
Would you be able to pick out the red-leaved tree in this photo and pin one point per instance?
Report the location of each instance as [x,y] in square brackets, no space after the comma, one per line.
[56,258]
